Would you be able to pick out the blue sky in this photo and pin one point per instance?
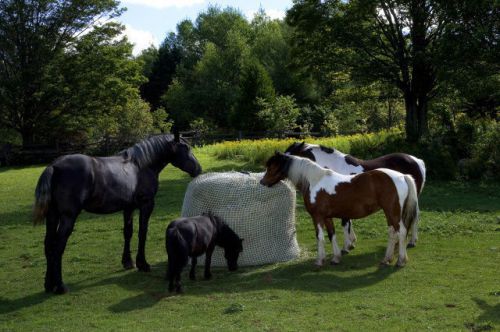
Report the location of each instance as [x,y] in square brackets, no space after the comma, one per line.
[148,21]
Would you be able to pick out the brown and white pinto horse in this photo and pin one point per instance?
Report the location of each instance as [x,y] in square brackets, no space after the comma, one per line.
[346,164]
[328,194]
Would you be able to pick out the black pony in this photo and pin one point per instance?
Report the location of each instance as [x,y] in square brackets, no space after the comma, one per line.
[193,237]
[124,182]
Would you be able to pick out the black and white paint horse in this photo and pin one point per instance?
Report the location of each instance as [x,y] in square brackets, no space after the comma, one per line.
[193,237]
[346,164]
[123,182]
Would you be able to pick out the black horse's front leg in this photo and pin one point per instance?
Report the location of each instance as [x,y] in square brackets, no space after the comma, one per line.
[208,262]
[192,272]
[128,228]
[144,214]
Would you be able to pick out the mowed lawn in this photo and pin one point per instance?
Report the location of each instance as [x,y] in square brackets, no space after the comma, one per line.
[452,281]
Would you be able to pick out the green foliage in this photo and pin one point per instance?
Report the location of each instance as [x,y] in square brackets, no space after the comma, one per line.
[279,114]
[34,38]
[161,121]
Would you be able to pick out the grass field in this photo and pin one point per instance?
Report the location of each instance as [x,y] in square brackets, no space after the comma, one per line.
[452,281]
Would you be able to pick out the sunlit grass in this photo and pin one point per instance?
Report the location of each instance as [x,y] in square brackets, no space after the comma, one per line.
[450,283]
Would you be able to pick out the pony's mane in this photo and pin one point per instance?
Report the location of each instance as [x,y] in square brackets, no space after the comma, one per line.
[148,150]
[303,172]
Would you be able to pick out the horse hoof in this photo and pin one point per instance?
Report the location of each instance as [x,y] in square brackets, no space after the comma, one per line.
[128,265]
[61,289]
[344,252]
[385,263]
[143,267]
[352,246]
[411,245]
[334,263]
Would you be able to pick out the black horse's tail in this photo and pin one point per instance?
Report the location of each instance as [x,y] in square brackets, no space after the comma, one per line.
[43,193]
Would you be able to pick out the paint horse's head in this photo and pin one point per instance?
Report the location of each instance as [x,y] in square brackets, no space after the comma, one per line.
[302,150]
[184,159]
[276,169]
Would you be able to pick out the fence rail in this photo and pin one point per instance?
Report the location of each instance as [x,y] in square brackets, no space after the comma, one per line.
[44,153]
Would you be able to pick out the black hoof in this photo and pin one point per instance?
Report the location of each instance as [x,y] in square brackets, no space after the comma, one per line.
[352,246]
[61,289]
[344,252]
[410,245]
[128,265]
[334,263]
[143,267]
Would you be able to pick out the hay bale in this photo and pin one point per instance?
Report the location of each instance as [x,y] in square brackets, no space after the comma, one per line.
[264,217]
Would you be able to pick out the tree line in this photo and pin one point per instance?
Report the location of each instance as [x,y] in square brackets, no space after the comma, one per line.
[67,73]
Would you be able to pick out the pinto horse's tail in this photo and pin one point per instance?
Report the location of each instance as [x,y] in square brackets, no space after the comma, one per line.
[43,193]
[410,209]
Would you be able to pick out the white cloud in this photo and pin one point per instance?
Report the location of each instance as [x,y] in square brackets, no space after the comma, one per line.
[164,3]
[272,13]
[140,38]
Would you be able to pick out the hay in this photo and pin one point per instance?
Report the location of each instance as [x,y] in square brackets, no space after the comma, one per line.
[264,217]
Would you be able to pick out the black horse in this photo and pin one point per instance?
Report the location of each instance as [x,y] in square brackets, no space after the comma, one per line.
[124,182]
[193,237]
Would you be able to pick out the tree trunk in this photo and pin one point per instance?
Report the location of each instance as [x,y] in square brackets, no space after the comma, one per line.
[423,126]
[27,135]
[411,125]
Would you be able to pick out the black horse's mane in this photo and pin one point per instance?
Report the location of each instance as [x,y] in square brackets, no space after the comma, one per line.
[148,150]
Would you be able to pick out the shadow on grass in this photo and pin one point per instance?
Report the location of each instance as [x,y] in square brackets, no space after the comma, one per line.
[491,313]
[288,276]
[301,275]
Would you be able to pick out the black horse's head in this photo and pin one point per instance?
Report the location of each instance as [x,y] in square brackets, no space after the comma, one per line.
[232,253]
[184,159]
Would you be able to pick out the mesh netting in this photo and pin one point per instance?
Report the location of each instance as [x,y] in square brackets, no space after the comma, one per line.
[264,217]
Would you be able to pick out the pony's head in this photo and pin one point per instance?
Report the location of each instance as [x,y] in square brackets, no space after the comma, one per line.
[232,252]
[276,169]
[184,159]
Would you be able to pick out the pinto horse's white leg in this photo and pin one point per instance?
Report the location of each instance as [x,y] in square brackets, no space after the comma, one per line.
[389,253]
[402,258]
[337,254]
[347,239]
[321,245]
[414,234]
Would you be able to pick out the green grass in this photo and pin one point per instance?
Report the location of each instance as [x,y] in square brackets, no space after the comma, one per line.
[450,283]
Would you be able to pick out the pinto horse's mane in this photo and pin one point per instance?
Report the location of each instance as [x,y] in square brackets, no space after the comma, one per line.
[303,172]
[148,150]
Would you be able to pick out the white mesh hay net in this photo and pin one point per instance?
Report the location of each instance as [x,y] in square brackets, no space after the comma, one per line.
[264,217]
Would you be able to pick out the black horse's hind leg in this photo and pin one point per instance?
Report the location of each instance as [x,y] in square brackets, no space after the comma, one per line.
[192,272]
[50,238]
[208,262]
[128,228]
[145,213]
[64,230]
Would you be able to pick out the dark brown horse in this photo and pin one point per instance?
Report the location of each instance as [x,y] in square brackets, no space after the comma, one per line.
[346,164]
[124,182]
[328,194]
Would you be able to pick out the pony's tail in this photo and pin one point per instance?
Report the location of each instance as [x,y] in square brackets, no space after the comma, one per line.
[410,209]
[176,251]
[43,193]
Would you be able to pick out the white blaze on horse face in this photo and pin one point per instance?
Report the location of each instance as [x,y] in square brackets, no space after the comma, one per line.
[334,161]
[399,181]
[328,183]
